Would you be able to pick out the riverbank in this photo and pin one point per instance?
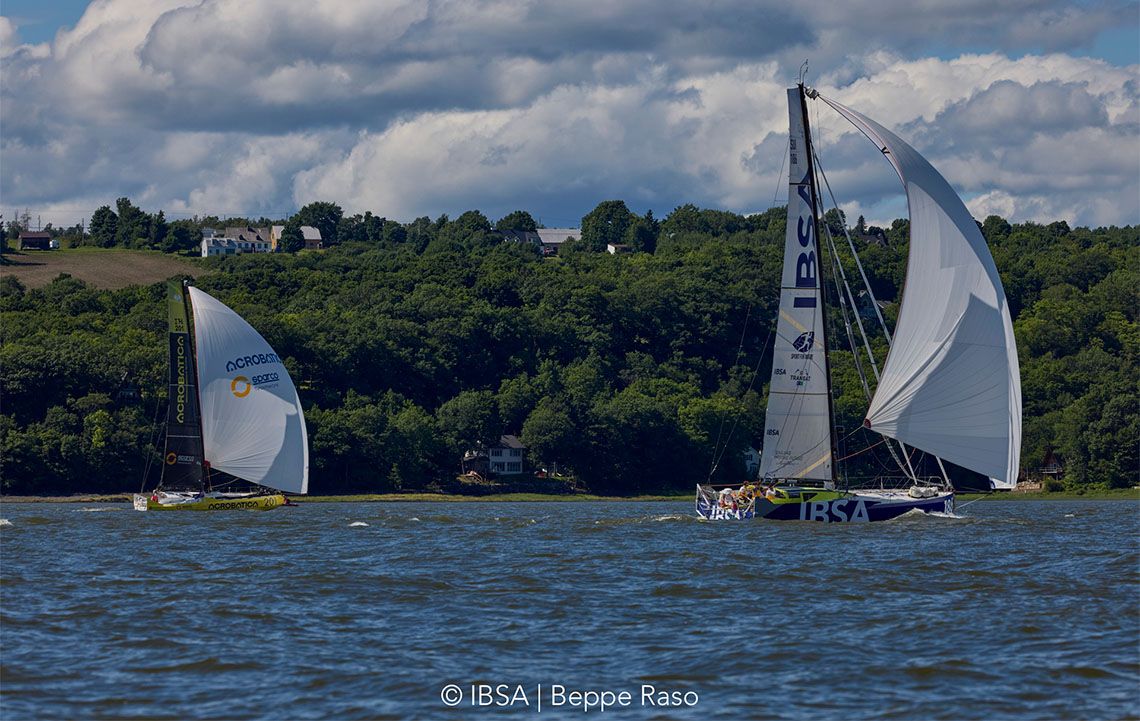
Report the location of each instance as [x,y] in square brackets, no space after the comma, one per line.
[1119,494]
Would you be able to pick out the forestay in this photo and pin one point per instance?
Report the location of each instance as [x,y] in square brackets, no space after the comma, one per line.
[797,427]
[252,423]
[951,384]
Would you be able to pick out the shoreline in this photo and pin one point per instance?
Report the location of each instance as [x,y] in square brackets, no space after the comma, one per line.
[1120,494]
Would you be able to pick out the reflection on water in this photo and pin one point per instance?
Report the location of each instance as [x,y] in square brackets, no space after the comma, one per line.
[1017,610]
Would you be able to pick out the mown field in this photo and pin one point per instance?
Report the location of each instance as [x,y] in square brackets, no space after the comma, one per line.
[103,268]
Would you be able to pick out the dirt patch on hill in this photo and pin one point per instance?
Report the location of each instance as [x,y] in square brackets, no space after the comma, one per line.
[99,268]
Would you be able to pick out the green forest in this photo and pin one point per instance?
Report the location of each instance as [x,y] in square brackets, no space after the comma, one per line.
[411,343]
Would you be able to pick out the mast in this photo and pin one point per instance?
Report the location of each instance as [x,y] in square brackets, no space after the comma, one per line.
[815,194]
[182,460]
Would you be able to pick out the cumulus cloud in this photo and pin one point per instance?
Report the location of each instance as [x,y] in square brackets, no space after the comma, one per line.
[410,108]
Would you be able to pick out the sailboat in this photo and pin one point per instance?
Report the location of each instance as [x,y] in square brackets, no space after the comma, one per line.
[233,415]
[950,385]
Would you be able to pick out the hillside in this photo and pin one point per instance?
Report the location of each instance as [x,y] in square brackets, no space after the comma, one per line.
[103,268]
[637,372]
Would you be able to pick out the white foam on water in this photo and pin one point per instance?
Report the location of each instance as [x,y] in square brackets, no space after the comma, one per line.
[5,522]
[671,517]
[917,513]
[1070,515]
[357,524]
[97,510]
[413,518]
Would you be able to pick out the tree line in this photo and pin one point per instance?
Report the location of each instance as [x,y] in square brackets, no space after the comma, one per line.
[411,343]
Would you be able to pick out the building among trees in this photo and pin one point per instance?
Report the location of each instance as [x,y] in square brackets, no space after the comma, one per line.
[235,240]
[37,240]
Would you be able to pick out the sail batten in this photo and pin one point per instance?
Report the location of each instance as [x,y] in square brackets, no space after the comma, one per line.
[951,383]
[252,423]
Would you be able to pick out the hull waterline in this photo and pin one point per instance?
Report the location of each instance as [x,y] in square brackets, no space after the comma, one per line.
[252,503]
[828,507]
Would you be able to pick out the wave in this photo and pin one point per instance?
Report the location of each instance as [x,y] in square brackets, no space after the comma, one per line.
[358,524]
[917,514]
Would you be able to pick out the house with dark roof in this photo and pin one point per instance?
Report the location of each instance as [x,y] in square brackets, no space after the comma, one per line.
[505,458]
[528,237]
[37,240]
[553,238]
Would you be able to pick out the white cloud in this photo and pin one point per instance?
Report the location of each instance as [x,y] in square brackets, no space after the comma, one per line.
[410,108]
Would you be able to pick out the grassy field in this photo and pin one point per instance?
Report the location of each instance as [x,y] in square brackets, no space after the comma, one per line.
[108,268]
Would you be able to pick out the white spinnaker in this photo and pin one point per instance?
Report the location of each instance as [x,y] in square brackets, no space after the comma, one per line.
[951,384]
[797,425]
[252,423]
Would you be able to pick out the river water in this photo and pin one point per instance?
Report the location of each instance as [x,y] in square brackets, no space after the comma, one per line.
[1017,610]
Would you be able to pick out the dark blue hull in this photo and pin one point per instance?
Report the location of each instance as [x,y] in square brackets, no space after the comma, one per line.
[855,507]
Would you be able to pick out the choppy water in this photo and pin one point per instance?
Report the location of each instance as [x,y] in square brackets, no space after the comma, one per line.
[1020,610]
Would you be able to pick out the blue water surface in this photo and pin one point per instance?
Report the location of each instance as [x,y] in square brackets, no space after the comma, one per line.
[1018,610]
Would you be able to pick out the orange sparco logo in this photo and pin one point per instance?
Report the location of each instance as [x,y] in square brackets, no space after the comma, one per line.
[171,458]
[240,386]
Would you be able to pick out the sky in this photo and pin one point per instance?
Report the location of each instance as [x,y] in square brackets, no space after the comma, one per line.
[407,108]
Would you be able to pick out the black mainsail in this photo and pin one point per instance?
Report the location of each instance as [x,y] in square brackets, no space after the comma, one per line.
[182,467]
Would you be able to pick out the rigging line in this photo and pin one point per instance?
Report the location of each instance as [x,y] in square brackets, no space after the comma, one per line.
[150,446]
[816,219]
[751,382]
[715,462]
[780,175]
[984,497]
[858,263]
[843,274]
[847,322]
[852,455]
[735,362]
[858,321]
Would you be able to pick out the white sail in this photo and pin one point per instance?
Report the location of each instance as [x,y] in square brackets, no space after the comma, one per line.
[951,384]
[252,423]
[797,427]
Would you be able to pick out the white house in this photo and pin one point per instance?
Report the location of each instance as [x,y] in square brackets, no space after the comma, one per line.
[234,241]
[506,457]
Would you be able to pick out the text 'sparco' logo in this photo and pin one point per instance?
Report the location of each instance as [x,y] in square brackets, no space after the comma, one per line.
[804,343]
[240,386]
